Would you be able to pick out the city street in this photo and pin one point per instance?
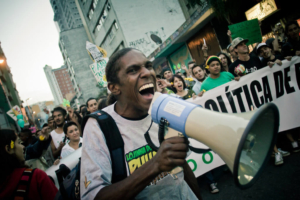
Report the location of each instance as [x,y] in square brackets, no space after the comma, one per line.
[276,182]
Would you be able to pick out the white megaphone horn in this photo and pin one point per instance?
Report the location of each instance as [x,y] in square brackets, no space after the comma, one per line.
[244,140]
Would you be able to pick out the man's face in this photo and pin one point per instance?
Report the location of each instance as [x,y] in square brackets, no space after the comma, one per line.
[58,118]
[51,124]
[242,48]
[23,137]
[92,106]
[168,75]
[190,68]
[223,60]
[214,68]
[199,74]
[293,31]
[69,109]
[265,52]
[137,81]
[232,53]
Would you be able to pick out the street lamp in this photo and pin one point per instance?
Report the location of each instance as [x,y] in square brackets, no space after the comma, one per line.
[1,61]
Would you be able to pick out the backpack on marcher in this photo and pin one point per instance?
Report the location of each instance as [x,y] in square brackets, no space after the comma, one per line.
[69,181]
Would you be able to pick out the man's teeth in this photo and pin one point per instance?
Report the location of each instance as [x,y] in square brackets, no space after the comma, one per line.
[149,85]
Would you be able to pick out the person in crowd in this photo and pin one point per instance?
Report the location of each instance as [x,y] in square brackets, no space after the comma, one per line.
[163,85]
[233,54]
[216,77]
[275,45]
[131,80]
[225,60]
[180,87]
[51,123]
[292,46]
[102,103]
[72,132]
[91,105]
[245,64]
[81,109]
[14,173]
[34,146]
[84,112]
[58,137]
[190,65]
[167,73]
[200,75]
[269,59]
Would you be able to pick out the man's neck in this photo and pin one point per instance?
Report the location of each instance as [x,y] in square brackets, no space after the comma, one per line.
[127,111]
[244,56]
[234,58]
[215,76]
[59,129]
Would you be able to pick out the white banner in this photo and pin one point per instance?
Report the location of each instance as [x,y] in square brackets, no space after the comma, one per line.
[98,70]
[279,85]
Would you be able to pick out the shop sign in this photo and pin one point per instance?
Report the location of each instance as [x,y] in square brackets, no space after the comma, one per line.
[261,10]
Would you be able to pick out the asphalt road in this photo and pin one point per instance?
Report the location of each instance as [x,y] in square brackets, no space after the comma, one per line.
[276,182]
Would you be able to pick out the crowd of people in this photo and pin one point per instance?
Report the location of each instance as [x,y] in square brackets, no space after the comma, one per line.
[132,82]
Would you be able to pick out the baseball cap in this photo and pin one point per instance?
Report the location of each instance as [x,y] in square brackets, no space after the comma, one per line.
[260,45]
[228,46]
[237,41]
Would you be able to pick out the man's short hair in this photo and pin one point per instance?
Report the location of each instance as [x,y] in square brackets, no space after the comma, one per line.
[50,118]
[45,125]
[191,62]
[59,109]
[83,105]
[288,24]
[27,132]
[195,67]
[87,102]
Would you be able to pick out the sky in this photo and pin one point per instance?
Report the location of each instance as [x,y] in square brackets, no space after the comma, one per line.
[29,40]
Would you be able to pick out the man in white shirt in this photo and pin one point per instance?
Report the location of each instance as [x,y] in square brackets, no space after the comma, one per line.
[59,114]
[200,75]
[131,79]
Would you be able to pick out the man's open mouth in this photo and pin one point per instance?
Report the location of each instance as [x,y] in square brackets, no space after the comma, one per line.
[147,90]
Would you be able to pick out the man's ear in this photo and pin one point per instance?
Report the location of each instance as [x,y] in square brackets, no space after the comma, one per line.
[114,89]
[8,150]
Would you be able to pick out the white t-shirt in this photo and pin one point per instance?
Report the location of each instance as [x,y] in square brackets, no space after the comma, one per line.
[57,138]
[96,160]
[67,150]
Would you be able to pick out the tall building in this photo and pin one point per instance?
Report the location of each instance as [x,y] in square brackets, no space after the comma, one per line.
[72,44]
[9,95]
[58,98]
[60,83]
[143,24]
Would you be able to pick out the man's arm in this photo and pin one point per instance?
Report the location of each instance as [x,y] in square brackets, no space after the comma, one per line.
[96,173]
[56,152]
[191,180]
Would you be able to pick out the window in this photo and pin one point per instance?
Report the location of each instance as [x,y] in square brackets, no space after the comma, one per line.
[102,18]
[116,26]
[95,3]
[91,14]
[109,36]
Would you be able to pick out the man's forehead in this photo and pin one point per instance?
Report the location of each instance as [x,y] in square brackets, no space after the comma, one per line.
[133,57]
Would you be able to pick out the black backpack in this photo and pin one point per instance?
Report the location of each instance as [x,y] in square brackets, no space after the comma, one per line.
[69,180]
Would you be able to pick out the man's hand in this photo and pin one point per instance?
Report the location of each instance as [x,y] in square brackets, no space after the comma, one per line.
[184,67]
[278,62]
[237,78]
[229,33]
[200,94]
[45,132]
[171,154]
[297,53]
[61,145]
[289,58]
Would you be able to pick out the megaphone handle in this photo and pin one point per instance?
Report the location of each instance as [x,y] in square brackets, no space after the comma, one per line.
[161,135]
[196,150]
[150,143]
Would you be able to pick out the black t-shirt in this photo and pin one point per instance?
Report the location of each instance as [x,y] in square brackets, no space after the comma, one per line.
[251,65]
[290,48]
[277,57]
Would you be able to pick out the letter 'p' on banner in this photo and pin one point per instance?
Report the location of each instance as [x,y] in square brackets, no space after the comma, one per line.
[279,84]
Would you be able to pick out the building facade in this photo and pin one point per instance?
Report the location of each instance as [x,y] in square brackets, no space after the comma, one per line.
[72,44]
[9,95]
[58,97]
[64,81]
[143,24]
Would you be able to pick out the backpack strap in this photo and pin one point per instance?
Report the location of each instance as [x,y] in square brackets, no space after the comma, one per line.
[22,190]
[114,142]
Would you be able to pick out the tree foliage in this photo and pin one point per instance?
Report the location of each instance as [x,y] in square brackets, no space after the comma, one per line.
[224,9]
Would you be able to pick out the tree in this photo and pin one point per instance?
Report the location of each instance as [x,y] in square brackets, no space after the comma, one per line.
[223,9]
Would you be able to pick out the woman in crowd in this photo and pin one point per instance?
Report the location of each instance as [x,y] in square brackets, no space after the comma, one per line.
[17,181]
[72,132]
[180,88]
[102,103]
[225,60]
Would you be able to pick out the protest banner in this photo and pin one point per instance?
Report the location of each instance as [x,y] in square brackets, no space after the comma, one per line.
[248,30]
[98,70]
[279,85]
[96,53]
[14,112]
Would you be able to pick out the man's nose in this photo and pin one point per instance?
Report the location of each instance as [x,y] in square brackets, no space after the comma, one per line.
[145,72]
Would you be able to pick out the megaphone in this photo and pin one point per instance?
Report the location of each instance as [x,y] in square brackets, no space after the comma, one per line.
[244,140]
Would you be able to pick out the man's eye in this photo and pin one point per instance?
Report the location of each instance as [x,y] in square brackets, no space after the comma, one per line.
[149,66]
[131,71]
